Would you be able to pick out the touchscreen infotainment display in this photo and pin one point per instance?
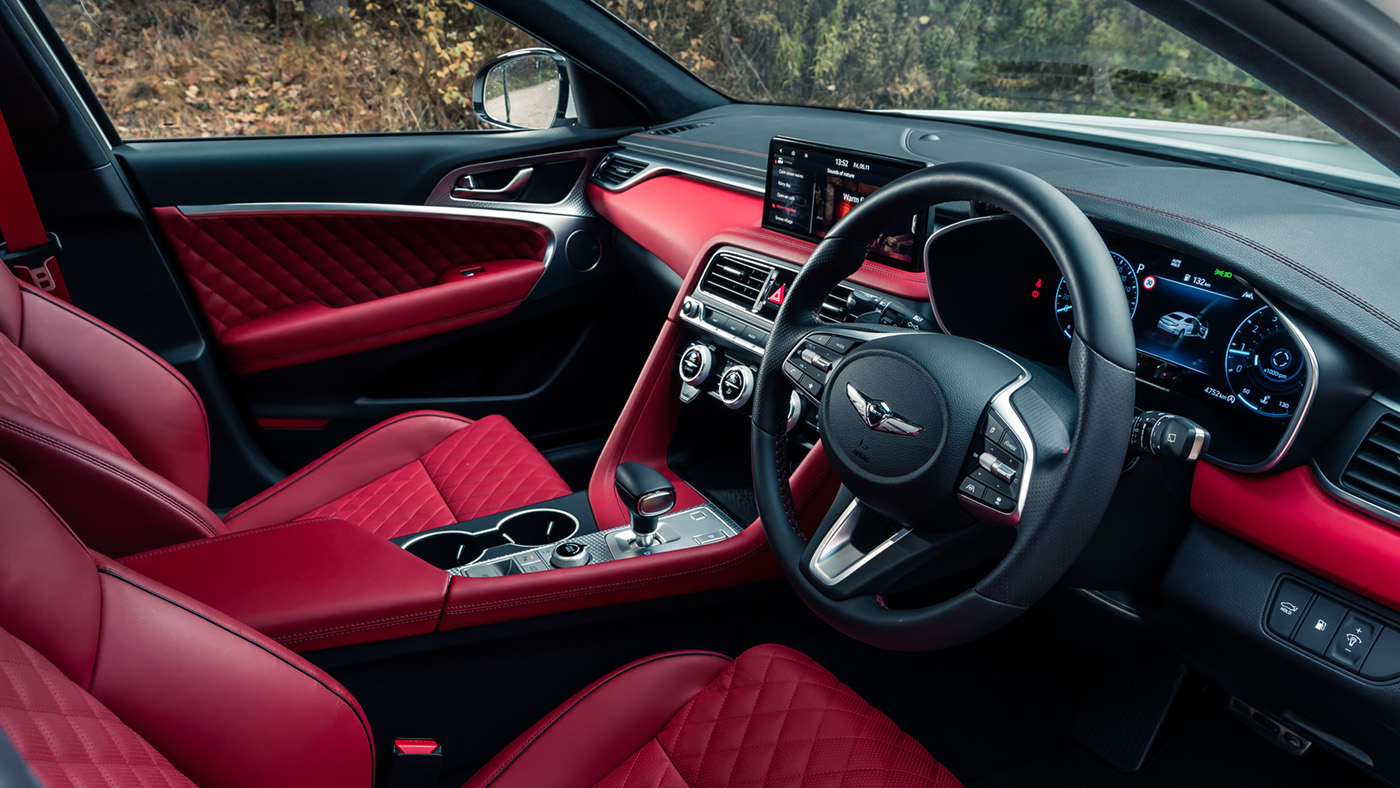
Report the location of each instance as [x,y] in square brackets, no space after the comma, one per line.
[810,187]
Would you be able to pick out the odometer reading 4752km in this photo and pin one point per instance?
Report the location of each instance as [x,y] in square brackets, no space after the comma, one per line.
[1264,365]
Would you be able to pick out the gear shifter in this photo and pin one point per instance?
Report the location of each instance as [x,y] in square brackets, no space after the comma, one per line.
[648,495]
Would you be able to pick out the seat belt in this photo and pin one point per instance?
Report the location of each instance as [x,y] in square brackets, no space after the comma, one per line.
[26,249]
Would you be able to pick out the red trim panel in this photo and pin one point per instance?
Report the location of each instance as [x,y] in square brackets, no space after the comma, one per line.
[309,585]
[673,217]
[286,289]
[310,332]
[1291,515]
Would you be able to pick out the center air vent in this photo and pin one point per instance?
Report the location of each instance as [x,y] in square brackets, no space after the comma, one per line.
[616,170]
[736,279]
[677,129]
[1374,470]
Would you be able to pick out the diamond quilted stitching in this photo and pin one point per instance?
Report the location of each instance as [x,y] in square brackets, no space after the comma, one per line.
[68,737]
[402,501]
[481,469]
[25,385]
[490,467]
[775,717]
[648,768]
[244,267]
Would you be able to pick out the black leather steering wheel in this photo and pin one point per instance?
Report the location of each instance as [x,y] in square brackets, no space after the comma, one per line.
[909,418]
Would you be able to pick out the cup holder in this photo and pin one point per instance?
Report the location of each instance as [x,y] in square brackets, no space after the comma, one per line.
[451,549]
[538,527]
[533,528]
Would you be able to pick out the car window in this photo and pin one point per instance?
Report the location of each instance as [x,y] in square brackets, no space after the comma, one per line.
[211,68]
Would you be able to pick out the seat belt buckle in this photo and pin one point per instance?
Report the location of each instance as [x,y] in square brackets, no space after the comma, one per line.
[416,763]
[36,264]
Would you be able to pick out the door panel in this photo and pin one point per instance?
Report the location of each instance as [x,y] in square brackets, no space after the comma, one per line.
[281,289]
[491,290]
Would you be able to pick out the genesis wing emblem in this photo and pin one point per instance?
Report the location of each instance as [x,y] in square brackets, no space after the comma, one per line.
[878,416]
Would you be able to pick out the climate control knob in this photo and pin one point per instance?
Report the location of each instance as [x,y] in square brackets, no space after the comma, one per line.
[696,362]
[736,386]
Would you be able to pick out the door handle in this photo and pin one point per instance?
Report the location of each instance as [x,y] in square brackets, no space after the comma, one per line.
[468,189]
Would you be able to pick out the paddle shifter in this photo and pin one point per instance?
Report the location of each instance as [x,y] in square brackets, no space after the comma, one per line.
[648,495]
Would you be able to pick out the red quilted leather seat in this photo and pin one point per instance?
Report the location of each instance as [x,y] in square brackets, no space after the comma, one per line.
[110,679]
[118,441]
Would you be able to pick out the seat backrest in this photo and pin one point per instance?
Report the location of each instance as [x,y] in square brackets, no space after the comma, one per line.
[116,439]
[108,678]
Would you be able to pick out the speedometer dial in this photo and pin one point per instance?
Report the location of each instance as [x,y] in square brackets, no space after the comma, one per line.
[1064,308]
[1265,366]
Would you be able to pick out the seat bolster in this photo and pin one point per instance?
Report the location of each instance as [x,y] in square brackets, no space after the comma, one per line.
[117,506]
[593,732]
[364,458]
[149,406]
[226,705]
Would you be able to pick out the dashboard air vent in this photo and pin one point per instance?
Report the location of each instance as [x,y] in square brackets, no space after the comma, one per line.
[677,129]
[616,170]
[834,307]
[1374,470]
[735,279]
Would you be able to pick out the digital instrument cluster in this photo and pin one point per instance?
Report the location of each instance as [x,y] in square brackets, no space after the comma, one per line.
[1201,330]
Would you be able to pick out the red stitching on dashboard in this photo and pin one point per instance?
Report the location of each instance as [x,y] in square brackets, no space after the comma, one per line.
[1255,245]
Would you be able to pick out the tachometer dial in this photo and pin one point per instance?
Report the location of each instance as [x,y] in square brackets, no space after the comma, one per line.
[1265,366]
[1064,308]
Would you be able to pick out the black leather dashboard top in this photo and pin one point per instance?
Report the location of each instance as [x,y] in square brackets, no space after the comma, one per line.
[1326,256]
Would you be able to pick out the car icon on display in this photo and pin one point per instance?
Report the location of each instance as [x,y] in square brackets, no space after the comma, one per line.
[1183,325]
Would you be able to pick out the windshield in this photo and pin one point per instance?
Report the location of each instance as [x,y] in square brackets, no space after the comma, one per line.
[1082,67]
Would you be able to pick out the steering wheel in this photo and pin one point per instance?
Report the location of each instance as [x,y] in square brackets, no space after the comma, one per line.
[937,438]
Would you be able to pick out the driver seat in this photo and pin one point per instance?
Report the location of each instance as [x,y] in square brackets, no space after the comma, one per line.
[110,679]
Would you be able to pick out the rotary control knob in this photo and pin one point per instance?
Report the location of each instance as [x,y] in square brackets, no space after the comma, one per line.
[794,415]
[568,554]
[736,387]
[693,308]
[696,363]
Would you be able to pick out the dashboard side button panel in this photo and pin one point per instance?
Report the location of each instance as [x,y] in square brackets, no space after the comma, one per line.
[1383,663]
[1288,608]
[1320,624]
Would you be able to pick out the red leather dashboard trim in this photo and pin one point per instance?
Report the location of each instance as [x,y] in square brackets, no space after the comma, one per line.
[313,331]
[1291,515]
[311,584]
[672,216]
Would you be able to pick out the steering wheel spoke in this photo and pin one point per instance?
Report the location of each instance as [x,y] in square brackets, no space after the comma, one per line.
[858,551]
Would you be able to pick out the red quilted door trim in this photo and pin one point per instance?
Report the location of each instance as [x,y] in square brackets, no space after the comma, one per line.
[285,289]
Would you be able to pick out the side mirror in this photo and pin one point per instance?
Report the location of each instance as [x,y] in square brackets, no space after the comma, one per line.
[524,89]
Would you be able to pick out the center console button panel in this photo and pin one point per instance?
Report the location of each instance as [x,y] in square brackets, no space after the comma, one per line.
[1352,640]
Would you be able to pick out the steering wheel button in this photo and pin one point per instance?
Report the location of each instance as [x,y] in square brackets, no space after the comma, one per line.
[841,344]
[994,429]
[991,482]
[793,372]
[972,488]
[999,501]
[820,339]
[1012,446]
[814,387]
